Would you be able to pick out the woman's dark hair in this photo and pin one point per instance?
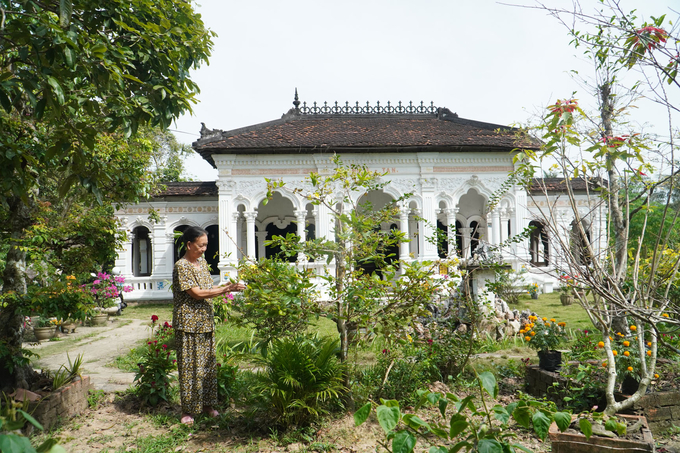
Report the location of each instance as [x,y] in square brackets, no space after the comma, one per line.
[191,234]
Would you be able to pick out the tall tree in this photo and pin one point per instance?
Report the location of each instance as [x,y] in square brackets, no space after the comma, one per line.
[71,71]
[626,280]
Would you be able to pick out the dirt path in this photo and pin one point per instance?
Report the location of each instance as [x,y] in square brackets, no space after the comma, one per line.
[99,346]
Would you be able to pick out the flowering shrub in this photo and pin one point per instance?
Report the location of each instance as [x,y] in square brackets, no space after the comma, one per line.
[533,289]
[221,307]
[584,346]
[106,289]
[543,334]
[153,376]
[567,284]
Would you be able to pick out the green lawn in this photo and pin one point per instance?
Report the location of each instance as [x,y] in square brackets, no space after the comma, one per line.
[549,306]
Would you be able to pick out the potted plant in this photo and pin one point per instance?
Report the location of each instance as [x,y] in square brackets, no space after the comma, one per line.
[45,328]
[106,290]
[533,290]
[545,335]
[66,301]
[566,290]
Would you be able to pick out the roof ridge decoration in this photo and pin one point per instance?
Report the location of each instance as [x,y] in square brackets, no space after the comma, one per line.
[368,109]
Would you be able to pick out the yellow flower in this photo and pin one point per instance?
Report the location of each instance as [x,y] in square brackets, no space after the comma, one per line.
[649,353]
[562,324]
[626,343]
[626,353]
[619,334]
[552,319]
[630,368]
[600,344]
[610,338]
[656,376]
[527,338]
[665,315]
[615,353]
[410,340]
[649,343]
[633,328]
[532,333]
[545,319]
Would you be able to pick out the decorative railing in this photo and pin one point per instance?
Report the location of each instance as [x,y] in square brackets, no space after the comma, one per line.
[377,109]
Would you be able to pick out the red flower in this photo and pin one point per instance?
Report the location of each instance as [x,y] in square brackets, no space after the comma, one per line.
[154,318]
[166,324]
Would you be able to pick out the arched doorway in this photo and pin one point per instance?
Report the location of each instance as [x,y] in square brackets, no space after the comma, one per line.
[142,256]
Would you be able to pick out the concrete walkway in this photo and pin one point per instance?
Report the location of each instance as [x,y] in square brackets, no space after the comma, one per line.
[99,346]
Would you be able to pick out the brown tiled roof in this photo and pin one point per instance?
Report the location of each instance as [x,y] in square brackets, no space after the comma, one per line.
[189,188]
[296,133]
[538,185]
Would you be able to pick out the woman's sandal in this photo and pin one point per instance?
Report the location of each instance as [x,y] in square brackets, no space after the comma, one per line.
[187,420]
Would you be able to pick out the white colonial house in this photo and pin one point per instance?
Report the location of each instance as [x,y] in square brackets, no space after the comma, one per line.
[452,166]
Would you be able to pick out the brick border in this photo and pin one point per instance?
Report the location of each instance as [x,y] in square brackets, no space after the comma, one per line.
[62,404]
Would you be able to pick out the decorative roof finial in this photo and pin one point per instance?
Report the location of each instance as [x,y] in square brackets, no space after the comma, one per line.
[296,102]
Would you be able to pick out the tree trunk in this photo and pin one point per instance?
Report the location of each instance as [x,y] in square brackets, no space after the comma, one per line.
[14,280]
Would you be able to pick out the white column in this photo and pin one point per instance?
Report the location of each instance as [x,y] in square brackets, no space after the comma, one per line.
[403,227]
[250,238]
[429,222]
[162,263]
[465,233]
[236,237]
[521,222]
[261,249]
[495,238]
[301,219]
[513,229]
[227,230]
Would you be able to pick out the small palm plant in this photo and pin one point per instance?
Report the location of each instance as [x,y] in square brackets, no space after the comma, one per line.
[301,376]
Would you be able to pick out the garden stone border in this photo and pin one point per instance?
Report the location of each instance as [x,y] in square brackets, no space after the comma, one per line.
[62,404]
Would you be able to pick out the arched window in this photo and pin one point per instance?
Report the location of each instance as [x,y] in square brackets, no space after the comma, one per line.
[142,256]
[177,253]
[538,244]
[442,239]
[474,237]
[212,253]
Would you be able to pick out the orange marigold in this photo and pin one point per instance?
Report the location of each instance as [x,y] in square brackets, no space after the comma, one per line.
[649,353]
[630,368]
[615,353]
[665,315]
[527,338]
[656,376]
[545,319]
[552,319]
[626,343]
[562,324]
[626,353]
[600,344]
[633,328]
[532,333]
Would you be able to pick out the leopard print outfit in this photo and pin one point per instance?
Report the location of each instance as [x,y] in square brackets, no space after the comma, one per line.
[194,325]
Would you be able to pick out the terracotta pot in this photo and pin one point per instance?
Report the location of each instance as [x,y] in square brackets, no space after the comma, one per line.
[100,319]
[566,299]
[577,442]
[44,333]
[549,360]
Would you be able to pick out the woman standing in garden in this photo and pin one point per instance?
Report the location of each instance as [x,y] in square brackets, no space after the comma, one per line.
[192,318]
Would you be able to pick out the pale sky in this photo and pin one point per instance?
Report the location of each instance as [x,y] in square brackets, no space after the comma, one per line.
[481,59]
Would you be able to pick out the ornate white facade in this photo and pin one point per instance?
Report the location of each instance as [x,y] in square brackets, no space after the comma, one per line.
[450,186]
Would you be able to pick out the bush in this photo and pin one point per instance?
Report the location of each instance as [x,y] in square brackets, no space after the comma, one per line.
[300,378]
[398,374]
[153,375]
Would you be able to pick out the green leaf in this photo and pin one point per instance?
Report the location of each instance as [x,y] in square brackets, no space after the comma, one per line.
[460,445]
[562,420]
[586,427]
[522,415]
[56,88]
[415,422]
[501,414]
[457,425]
[388,417]
[11,443]
[489,446]
[438,450]
[443,403]
[488,381]
[541,424]
[65,13]
[403,442]
[69,56]
[362,414]
[30,419]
